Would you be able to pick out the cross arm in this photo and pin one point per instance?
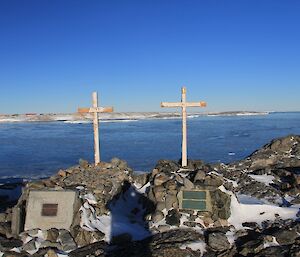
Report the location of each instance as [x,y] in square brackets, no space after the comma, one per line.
[180,104]
[167,104]
[95,109]
[196,104]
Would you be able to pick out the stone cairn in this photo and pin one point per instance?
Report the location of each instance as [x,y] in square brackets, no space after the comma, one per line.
[167,180]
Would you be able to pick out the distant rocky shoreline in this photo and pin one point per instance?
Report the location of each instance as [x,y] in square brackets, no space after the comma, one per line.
[252,209]
[115,116]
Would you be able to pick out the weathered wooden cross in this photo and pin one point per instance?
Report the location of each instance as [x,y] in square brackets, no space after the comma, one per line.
[183,104]
[95,110]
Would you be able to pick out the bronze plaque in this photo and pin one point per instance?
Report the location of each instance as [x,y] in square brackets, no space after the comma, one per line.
[49,209]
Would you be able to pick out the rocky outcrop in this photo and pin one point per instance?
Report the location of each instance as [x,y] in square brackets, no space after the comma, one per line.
[271,173]
[152,202]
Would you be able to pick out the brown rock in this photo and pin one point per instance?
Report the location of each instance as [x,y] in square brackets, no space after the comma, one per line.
[160,206]
[83,238]
[171,201]
[159,193]
[188,184]
[160,178]
[157,216]
[2,217]
[62,173]
[171,185]
[200,175]
[52,234]
[51,253]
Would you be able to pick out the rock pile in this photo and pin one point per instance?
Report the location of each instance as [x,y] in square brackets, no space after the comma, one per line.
[167,180]
[126,214]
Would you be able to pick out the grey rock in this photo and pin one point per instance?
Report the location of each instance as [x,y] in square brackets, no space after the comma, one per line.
[220,204]
[7,244]
[83,163]
[66,240]
[252,247]
[171,200]
[213,180]
[29,246]
[52,234]
[121,164]
[167,166]
[94,249]
[48,244]
[160,206]
[2,217]
[200,176]
[159,193]
[179,179]
[273,251]
[188,184]
[218,241]
[173,217]
[252,225]
[171,184]
[160,179]
[141,179]
[175,237]
[157,216]
[163,228]
[286,237]
[14,254]
[83,237]
[4,228]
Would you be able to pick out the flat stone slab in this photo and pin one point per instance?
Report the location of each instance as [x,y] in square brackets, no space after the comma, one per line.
[50,209]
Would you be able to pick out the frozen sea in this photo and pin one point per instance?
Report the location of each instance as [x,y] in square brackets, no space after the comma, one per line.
[39,149]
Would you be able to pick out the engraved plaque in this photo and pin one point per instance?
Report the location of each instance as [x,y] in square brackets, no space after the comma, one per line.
[194,205]
[195,200]
[49,209]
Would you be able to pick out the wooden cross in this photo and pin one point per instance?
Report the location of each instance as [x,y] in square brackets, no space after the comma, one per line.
[183,104]
[95,110]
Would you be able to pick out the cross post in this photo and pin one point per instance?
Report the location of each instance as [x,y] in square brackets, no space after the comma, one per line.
[183,104]
[96,110]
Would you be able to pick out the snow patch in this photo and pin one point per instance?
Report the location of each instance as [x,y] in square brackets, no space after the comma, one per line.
[231,236]
[266,179]
[142,189]
[258,213]
[121,218]
[196,246]
[90,198]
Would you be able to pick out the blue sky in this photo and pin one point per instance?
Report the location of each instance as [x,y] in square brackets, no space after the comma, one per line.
[236,55]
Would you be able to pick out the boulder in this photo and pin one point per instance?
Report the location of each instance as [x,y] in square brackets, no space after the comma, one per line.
[173,217]
[157,216]
[286,237]
[52,234]
[218,241]
[160,179]
[66,240]
[29,246]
